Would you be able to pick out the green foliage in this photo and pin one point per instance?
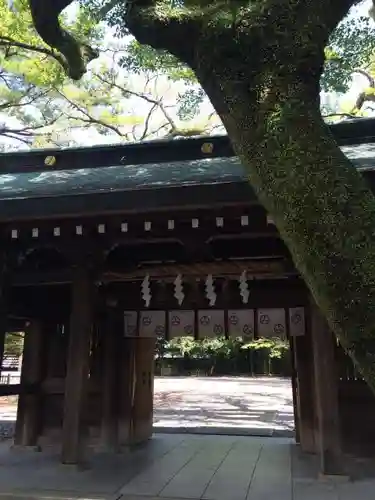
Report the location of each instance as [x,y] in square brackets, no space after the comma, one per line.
[351,46]
[30,73]
[275,347]
[140,58]
[185,346]
[22,52]
[35,91]
[46,108]
[14,344]
[189,103]
[212,353]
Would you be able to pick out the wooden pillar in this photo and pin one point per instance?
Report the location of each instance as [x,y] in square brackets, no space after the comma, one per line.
[28,423]
[303,363]
[326,391]
[294,390]
[126,390]
[109,382]
[2,343]
[57,351]
[3,316]
[76,382]
[143,410]
[137,389]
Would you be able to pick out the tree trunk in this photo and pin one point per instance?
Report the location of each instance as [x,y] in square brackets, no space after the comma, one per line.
[321,205]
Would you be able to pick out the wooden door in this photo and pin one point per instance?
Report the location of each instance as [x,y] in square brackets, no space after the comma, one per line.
[143,407]
[137,390]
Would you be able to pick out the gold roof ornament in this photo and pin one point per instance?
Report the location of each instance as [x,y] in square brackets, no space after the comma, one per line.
[207,147]
[49,161]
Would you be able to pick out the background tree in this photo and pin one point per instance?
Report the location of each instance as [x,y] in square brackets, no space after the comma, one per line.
[47,109]
[40,106]
[14,344]
[29,70]
[137,107]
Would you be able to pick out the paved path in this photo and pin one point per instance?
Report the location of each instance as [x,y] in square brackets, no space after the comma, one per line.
[260,406]
[254,406]
[178,467]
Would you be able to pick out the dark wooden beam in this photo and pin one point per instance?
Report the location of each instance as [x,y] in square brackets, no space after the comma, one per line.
[126,391]
[21,279]
[2,343]
[11,389]
[77,378]
[295,390]
[276,266]
[136,390]
[111,333]
[304,366]
[16,323]
[29,404]
[326,392]
[143,395]
[4,304]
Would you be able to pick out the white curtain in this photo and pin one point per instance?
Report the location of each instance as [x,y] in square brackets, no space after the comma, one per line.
[271,323]
[241,323]
[211,323]
[297,321]
[152,323]
[181,324]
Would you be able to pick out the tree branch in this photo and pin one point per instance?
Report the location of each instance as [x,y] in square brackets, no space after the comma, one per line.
[25,134]
[366,74]
[344,115]
[147,123]
[89,118]
[367,94]
[45,15]
[141,95]
[25,100]
[94,121]
[163,26]
[9,135]
[8,41]
[169,27]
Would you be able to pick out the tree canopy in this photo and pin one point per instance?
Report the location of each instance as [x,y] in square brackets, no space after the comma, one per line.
[42,106]
[29,69]
[350,47]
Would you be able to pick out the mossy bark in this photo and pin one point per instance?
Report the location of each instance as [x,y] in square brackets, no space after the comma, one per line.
[322,206]
[72,54]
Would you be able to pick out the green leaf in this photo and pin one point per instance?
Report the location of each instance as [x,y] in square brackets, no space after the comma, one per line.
[351,46]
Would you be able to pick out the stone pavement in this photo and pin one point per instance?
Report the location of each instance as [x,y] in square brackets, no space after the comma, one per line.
[261,406]
[244,405]
[178,467]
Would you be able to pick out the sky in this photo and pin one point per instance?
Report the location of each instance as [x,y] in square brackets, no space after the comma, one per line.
[170,93]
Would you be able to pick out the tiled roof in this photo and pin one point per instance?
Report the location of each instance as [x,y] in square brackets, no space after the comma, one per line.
[146,176]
